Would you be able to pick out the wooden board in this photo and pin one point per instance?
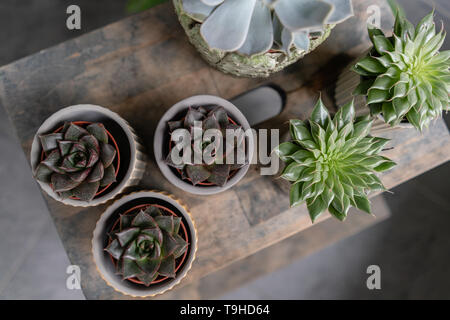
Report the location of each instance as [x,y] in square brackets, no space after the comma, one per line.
[280,255]
[142,65]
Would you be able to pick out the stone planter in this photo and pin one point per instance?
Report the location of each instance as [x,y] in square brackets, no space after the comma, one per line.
[239,65]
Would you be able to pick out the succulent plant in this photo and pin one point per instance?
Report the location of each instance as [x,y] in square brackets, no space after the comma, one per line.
[146,244]
[252,27]
[332,162]
[405,75]
[213,173]
[78,161]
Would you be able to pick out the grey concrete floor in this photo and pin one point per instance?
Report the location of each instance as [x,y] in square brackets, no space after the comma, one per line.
[411,248]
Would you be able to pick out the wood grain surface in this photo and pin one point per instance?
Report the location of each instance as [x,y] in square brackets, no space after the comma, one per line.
[142,65]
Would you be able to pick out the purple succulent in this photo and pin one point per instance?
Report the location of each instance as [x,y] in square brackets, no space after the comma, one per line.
[77,161]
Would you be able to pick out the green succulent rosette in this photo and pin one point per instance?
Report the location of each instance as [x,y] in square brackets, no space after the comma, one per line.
[146,244]
[405,75]
[211,173]
[78,161]
[332,163]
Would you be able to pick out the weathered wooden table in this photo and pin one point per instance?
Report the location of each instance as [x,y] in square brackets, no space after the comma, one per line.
[142,65]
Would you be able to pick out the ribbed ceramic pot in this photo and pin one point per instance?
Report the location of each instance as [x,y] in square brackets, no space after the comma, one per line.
[162,140]
[132,157]
[346,85]
[258,66]
[102,259]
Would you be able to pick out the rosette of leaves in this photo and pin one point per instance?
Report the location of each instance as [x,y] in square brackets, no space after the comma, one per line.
[405,75]
[214,173]
[145,245]
[78,161]
[252,27]
[332,163]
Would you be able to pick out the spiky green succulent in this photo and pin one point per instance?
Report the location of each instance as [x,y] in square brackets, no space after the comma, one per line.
[78,161]
[146,244]
[252,27]
[405,76]
[213,172]
[332,162]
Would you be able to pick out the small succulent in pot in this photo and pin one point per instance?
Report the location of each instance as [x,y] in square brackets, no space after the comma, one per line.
[405,76]
[146,244]
[257,37]
[332,162]
[78,160]
[212,172]
[86,146]
[208,147]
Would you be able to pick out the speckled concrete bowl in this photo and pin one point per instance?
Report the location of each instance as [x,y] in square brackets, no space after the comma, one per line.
[132,157]
[161,142]
[100,240]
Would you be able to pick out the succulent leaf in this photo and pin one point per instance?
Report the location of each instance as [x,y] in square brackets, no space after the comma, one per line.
[74,132]
[143,220]
[405,76]
[109,176]
[332,162]
[114,249]
[130,269]
[63,182]
[167,266]
[50,141]
[43,173]
[79,161]
[98,131]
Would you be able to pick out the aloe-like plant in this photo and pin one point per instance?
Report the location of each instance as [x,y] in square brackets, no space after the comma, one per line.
[332,162]
[146,244]
[78,161]
[213,172]
[405,75]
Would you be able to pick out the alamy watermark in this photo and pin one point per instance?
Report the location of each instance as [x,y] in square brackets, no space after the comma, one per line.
[212,146]
[73,281]
[73,21]
[374,280]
